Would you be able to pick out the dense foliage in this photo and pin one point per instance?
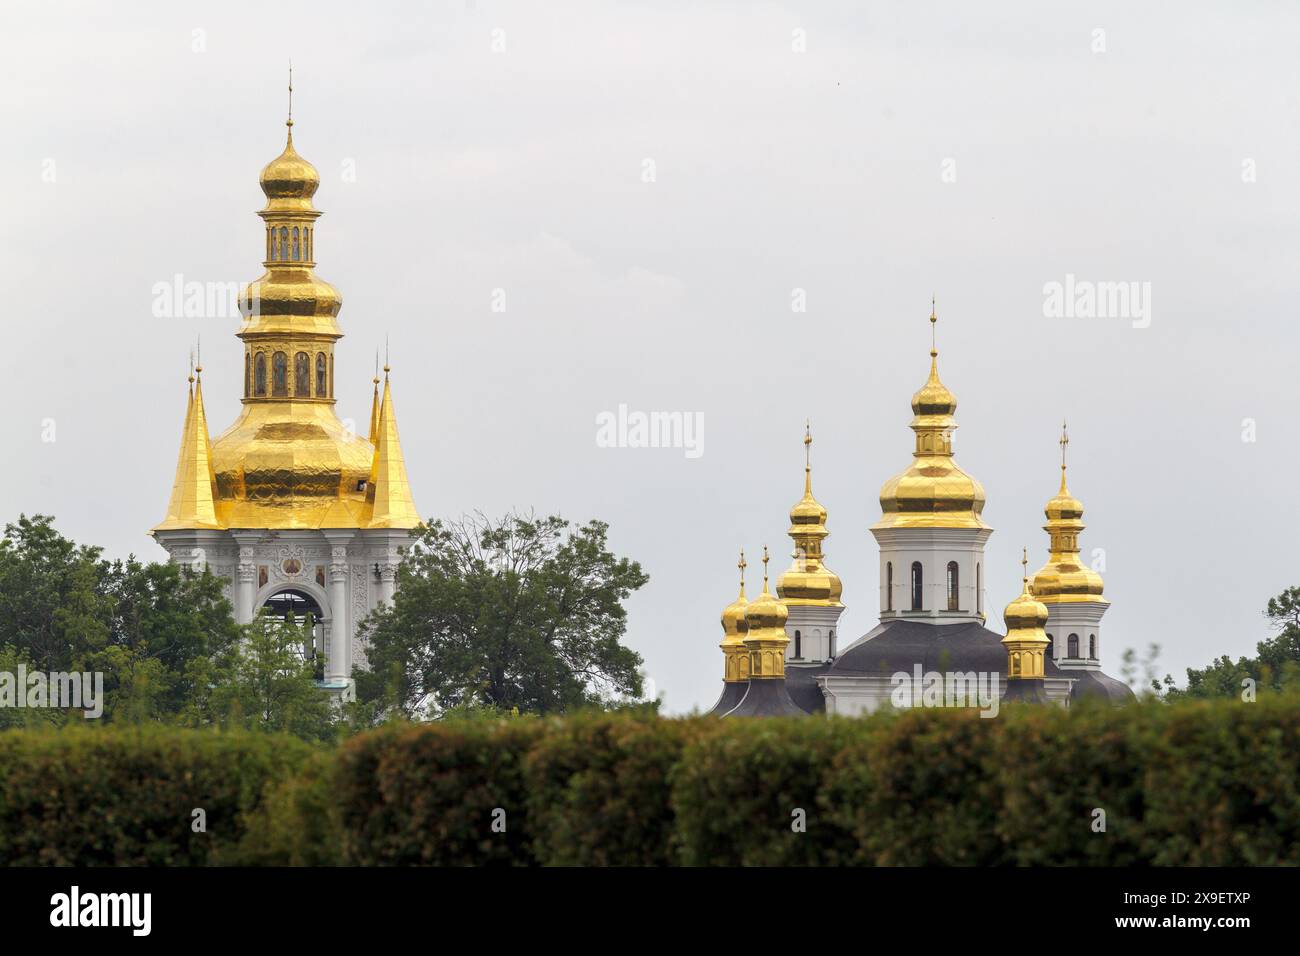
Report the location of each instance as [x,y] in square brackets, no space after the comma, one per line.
[518,614]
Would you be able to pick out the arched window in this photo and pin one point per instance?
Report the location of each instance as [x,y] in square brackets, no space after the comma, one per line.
[952,586]
[297,249]
[1072,646]
[306,246]
[1051,647]
[270,243]
[302,375]
[320,375]
[248,374]
[259,374]
[1015,665]
[280,375]
[284,244]
[831,651]
[889,585]
[331,374]
[979,589]
[916,585]
[798,645]
[1092,646]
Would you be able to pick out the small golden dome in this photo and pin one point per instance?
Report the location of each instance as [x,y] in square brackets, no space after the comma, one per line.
[734,622]
[289,176]
[933,492]
[1024,613]
[808,581]
[765,613]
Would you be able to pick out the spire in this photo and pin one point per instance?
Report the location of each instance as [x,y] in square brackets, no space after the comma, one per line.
[388,492]
[374,405]
[1065,441]
[289,120]
[191,505]
[742,565]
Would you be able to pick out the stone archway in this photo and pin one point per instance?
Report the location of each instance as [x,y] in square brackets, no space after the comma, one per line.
[297,602]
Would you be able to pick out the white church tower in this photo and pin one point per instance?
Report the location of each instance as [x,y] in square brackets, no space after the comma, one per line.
[930,532]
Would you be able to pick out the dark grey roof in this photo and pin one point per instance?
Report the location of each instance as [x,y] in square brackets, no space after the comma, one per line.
[1095,684]
[801,684]
[899,645]
[733,692]
[767,698]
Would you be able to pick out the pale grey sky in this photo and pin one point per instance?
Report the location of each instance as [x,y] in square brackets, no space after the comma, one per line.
[522,169]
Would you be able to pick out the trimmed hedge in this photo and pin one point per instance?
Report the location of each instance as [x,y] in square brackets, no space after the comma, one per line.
[1193,783]
[125,796]
[430,794]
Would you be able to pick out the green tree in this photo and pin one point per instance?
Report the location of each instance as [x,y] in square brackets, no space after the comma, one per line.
[262,682]
[522,613]
[64,608]
[1275,666]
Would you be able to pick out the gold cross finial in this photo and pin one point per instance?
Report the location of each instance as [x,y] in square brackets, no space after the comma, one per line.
[198,352]
[191,378]
[742,565]
[387,367]
[1024,565]
[1065,440]
[376,379]
[764,568]
[289,121]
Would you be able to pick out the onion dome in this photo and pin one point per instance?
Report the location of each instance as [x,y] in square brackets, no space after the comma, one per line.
[1026,641]
[289,177]
[933,492]
[766,639]
[1064,578]
[735,655]
[808,581]
[734,624]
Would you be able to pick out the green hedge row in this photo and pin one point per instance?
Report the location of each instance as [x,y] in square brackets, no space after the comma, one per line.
[128,796]
[1202,783]
[1197,783]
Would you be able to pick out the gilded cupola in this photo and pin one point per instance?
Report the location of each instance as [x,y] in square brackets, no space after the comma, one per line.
[933,492]
[808,581]
[1064,578]
[734,628]
[765,638]
[1026,641]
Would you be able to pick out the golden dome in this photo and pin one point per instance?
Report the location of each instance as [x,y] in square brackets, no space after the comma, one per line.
[808,581]
[1024,613]
[1064,578]
[765,613]
[933,492]
[734,623]
[289,177]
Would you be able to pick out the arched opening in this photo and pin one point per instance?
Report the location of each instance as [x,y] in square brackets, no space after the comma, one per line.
[889,585]
[295,609]
[320,375]
[270,243]
[280,375]
[297,249]
[284,244]
[831,650]
[979,590]
[307,245]
[952,586]
[916,585]
[248,374]
[259,374]
[1051,647]
[798,645]
[1072,646]
[302,375]
[1092,647]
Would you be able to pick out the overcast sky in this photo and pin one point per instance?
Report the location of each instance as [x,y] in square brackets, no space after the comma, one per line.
[869,157]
